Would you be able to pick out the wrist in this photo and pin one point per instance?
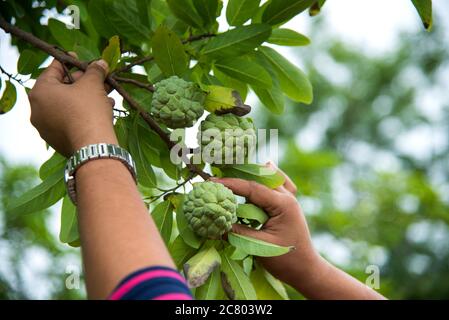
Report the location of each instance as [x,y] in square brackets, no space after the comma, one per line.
[93,137]
[308,268]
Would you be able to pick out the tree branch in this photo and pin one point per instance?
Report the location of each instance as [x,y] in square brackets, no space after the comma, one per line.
[140,61]
[67,59]
[137,83]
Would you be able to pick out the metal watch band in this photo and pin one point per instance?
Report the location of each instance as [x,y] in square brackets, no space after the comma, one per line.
[94,152]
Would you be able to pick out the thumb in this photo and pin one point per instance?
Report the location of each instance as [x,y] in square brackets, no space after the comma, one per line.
[96,73]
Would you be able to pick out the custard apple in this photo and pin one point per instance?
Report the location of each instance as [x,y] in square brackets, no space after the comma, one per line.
[226,139]
[210,208]
[177,103]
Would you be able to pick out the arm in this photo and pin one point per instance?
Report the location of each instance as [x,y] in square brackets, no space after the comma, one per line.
[117,233]
[303,268]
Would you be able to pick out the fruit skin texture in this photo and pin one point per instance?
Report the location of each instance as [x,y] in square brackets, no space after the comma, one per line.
[177,103]
[210,208]
[214,136]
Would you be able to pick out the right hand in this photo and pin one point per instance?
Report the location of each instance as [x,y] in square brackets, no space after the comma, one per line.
[286,226]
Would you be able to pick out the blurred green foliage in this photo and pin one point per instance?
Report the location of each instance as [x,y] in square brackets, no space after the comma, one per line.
[33,261]
[370,200]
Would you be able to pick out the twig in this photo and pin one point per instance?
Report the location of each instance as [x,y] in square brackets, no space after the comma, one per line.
[199,37]
[65,58]
[136,62]
[171,190]
[140,61]
[12,77]
[137,83]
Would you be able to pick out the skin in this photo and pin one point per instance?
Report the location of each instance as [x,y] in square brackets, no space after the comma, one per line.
[118,236]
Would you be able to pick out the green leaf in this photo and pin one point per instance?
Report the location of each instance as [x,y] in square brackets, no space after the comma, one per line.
[29,61]
[121,129]
[207,9]
[280,11]
[227,81]
[123,17]
[424,8]
[184,229]
[248,264]
[168,52]
[198,269]
[111,54]
[184,10]
[266,289]
[240,11]
[220,99]
[181,252]
[144,9]
[97,10]
[293,81]
[254,172]
[272,99]
[163,217]
[315,9]
[145,173]
[9,98]
[40,197]
[237,253]
[237,41]
[211,289]
[234,280]
[257,247]
[288,37]
[245,70]
[251,212]
[69,222]
[56,163]
[73,40]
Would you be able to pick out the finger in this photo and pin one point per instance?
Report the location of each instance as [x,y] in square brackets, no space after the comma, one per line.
[75,76]
[256,193]
[53,73]
[288,184]
[95,73]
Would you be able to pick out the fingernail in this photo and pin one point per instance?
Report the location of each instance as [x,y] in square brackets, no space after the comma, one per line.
[103,64]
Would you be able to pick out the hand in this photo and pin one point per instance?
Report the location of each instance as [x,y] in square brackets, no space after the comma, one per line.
[286,226]
[71,116]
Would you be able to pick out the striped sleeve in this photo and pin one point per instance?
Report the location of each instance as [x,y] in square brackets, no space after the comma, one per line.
[153,283]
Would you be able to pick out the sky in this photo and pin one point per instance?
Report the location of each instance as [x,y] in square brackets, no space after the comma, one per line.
[373,26]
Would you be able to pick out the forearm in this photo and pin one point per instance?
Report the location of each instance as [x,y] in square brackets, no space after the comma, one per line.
[326,282]
[117,233]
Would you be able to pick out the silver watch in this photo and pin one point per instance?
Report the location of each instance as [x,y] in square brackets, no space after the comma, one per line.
[94,152]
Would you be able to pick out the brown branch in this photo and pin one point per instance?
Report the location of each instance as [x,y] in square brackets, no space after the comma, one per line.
[198,37]
[142,60]
[137,83]
[136,62]
[67,59]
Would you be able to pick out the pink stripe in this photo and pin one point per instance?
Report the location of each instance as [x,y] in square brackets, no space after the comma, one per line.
[127,286]
[173,296]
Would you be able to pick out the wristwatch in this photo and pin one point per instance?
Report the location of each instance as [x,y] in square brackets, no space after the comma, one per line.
[95,152]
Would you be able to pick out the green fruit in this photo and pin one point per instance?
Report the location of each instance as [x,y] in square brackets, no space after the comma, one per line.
[226,139]
[177,103]
[210,208]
